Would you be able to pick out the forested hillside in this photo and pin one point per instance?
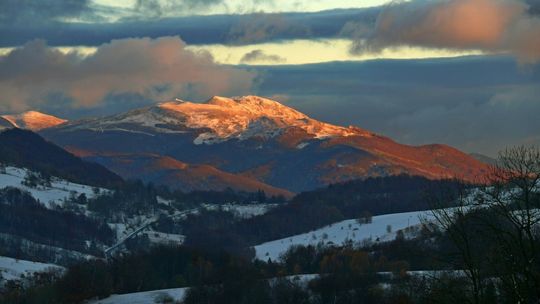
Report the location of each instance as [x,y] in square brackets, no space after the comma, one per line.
[26,149]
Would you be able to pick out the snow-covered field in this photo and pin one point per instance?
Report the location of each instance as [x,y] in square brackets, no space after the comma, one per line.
[162,238]
[243,211]
[382,228]
[178,294]
[49,196]
[146,297]
[12,269]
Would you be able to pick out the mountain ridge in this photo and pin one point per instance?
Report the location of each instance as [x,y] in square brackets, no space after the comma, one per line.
[26,149]
[263,139]
[165,170]
[220,119]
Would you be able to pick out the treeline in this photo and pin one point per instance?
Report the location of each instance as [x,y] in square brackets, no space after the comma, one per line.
[130,198]
[216,276]
[227,196]
[383,195]
[218,229]
[135,197]
[21,215]
[159,268]
[342,275]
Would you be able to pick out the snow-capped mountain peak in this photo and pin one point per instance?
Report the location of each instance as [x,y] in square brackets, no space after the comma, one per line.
[249,116]
[220,119]
[244,106]
[33,120]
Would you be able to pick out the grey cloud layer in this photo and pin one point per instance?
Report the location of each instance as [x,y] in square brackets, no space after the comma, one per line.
[155,69]
[496,26]
[480,104]
[159,8]
[264,27]
[17,11]
[227,29]
[166,8]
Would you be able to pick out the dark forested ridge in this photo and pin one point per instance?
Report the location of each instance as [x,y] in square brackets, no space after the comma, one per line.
[26,149]
[382,195]
[315,209]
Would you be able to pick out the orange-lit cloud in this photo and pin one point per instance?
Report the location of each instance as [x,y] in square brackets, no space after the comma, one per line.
[495,26]
[153,68]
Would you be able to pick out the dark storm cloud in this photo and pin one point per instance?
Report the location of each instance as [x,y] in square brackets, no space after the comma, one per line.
[260,55]
[227,29]
[264,27]
[36,76]
[158,8]
[40,11]
[480,104]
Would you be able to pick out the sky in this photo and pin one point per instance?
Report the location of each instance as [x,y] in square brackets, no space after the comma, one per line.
[457,72]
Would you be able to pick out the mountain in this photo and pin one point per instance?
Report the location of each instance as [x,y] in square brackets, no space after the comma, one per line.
[25,149]
[261,139]
[218,120]
[30,120]
[164,170]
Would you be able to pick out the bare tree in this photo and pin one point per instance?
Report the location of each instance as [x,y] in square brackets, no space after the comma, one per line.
[513,197]
[453,222]
[495,228]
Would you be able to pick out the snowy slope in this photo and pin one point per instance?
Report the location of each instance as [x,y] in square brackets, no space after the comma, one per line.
[49,196]
[248,116]
[342,232]
[146,297]
[13,269]
[220,119]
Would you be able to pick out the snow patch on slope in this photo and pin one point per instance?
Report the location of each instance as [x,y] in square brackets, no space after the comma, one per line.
[59,190]
[13,269]
[145,297]
[340,233]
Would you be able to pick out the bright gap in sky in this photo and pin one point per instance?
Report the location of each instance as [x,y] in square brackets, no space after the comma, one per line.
[268,6]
